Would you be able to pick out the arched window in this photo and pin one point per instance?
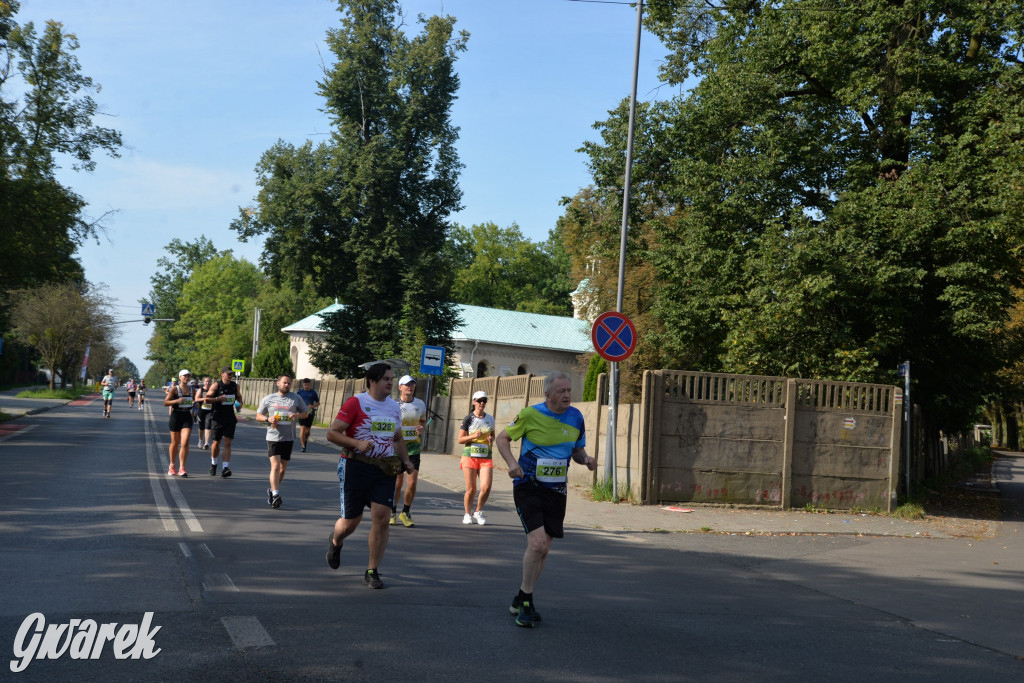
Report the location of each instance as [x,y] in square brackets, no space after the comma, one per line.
[481,369]
[295,358]
[523,370]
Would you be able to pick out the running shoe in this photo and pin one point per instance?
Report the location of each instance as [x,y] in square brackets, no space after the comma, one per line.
[270,497]
[213,470]
[478,516]
[467,519]
[276,501]
[206,446]
[525,615]
[333,553]
[182,472]
[226,472]
[372,579]
[303,449]
[394,519]
[171,471]
[517,603]
[406,519]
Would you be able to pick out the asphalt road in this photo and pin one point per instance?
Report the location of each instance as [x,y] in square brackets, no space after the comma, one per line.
[91,527]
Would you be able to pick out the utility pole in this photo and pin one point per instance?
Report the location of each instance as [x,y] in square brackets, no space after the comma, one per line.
[613,370]
[255,337]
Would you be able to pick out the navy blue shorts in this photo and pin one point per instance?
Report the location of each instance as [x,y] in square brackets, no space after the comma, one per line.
[360,484]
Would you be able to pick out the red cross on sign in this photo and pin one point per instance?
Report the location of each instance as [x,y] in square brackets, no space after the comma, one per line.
[614,336]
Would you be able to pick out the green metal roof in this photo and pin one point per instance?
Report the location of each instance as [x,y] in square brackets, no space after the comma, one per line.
[495,326]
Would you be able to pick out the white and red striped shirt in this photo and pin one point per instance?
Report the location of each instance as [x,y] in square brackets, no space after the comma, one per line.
[371,420]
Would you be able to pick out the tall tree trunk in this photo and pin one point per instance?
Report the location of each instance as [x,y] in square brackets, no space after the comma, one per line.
[1012,431]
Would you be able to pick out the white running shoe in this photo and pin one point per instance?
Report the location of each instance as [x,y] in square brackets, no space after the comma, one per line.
[467,519]
[479,517]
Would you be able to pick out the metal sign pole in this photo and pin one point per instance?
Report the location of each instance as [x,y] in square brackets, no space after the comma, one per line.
[613,377]
[907,412]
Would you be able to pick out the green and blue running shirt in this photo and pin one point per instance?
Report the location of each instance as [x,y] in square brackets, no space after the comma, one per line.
[549,440]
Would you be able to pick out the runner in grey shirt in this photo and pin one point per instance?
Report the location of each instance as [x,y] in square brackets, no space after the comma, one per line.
[281,410]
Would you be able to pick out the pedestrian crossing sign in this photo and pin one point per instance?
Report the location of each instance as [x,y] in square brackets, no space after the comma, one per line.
[238,365]
[148,309]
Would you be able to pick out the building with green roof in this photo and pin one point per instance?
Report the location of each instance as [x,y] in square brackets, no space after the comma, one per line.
[487,342]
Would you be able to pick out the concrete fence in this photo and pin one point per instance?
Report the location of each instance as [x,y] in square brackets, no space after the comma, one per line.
[701,437]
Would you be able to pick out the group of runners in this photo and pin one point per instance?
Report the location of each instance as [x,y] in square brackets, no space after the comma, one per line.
[373,432]
[210,405]
[380,441]
[109,384]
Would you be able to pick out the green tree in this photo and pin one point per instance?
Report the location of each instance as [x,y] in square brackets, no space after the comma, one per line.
[59,321]
[216,307]
[841,191]
[168,349]
[499,268]
[46,113]
[366,214]
[125,369]
[273,360]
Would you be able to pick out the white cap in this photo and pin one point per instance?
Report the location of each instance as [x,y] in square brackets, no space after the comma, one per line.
[407,379]
[183,373]
[479,394]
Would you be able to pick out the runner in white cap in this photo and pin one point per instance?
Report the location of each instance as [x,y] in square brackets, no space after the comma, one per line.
[477,435]
[179,398]
[414,419]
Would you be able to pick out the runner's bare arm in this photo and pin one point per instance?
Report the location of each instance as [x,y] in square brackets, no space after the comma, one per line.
[336,435]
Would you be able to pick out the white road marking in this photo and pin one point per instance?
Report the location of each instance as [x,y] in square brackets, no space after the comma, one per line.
[219,582]
[152,448]
[247,632]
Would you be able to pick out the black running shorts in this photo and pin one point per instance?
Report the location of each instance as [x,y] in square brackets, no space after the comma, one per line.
[360,484]
[538,506]
[225,429]
[205,419]
[282,449]
[179,419]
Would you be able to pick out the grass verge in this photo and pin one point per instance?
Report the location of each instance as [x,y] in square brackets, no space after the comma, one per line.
[61,394]
[602,492]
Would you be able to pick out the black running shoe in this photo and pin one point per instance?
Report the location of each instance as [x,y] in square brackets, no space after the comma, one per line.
[213,470]
[270,497]
[276,500]
[526,615]
[333,553]
[372,579]
[226,472]
[517,603]
[303,449]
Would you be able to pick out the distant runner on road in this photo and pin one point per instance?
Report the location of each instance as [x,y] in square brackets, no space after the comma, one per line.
[109,383]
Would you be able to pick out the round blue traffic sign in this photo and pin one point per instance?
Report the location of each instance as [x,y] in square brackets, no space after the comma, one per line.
[614,336]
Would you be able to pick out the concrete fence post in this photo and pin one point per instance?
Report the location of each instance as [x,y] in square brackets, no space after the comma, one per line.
[789,433]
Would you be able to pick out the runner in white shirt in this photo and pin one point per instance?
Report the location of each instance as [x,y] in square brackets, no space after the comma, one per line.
[368,429]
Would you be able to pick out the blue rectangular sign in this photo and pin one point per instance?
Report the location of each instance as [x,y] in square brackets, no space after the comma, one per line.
[432,360]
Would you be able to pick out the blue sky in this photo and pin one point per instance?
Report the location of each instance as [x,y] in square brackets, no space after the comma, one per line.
[201,88]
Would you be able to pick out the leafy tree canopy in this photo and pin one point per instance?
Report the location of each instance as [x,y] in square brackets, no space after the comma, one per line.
[366,214]
[499,268]
[46,114]
[840,191]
